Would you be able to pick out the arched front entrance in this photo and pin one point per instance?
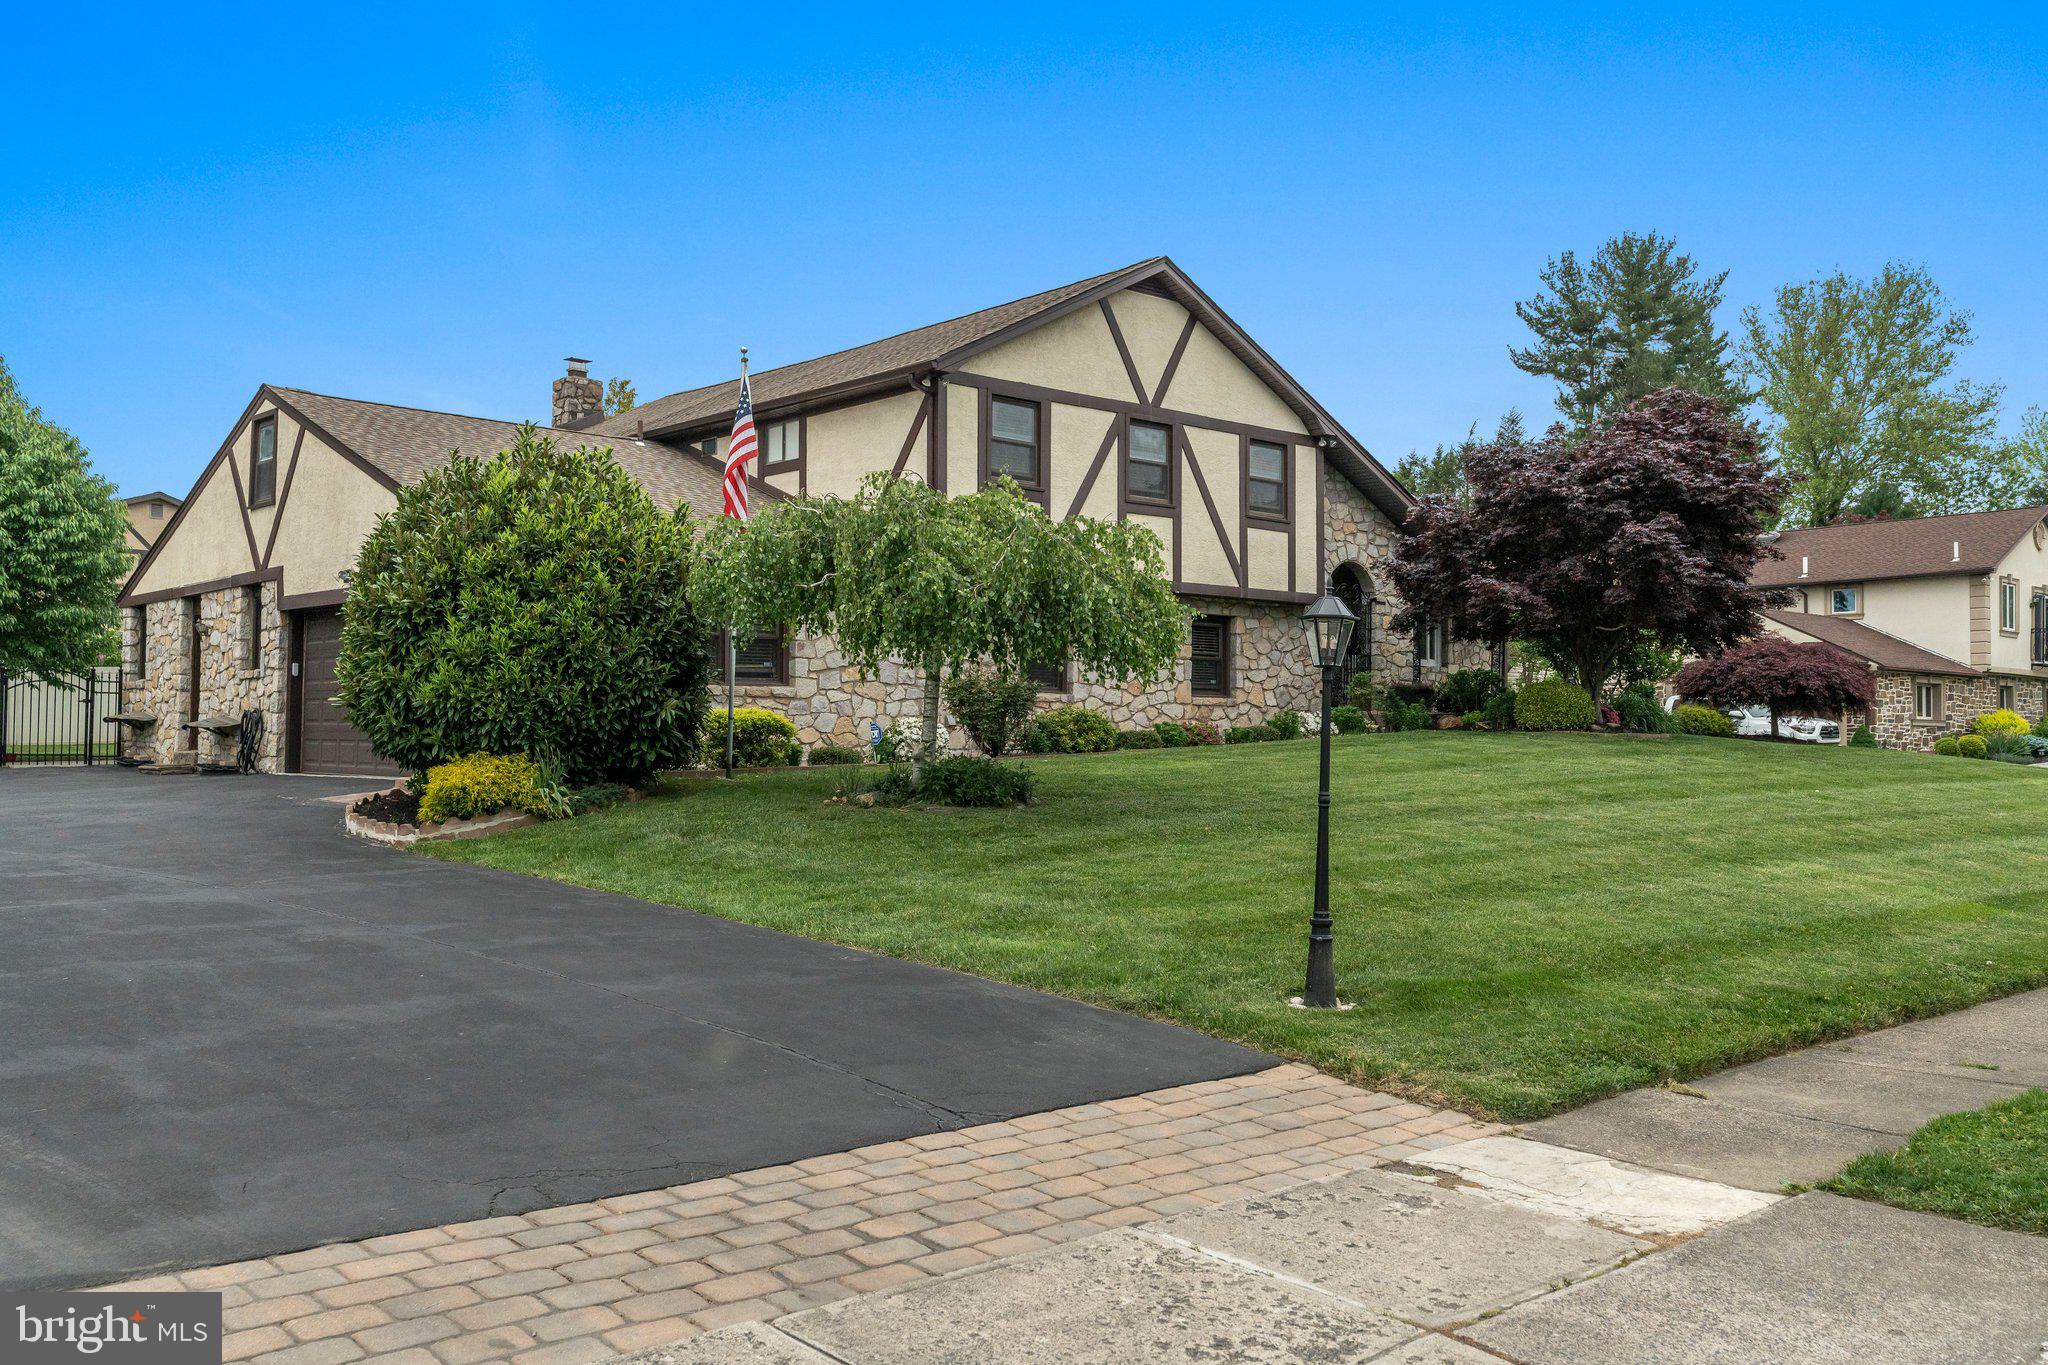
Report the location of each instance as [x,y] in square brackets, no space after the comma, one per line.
[1353,586]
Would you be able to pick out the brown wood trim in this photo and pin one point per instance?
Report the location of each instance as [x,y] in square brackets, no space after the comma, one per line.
[924,412]
[1322,520]
[1011,388]
[852,393]
[198,485]
[1123,349]
[1173,361]
[1234,592]
[312,601]
[1109,441]
[240,580]
[284,496]
[332,442]
[1038,492]
[295,693]
[248,530]
[1215,518]
[936,452]
[1121,280]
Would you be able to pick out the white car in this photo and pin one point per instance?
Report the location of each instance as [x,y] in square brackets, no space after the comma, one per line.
[1754,722]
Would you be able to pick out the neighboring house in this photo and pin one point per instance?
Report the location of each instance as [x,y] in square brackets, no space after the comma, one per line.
[148,514]
[1129,395]
[1951,613]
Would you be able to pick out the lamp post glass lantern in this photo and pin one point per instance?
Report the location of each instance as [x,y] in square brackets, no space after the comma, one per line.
[1329,624]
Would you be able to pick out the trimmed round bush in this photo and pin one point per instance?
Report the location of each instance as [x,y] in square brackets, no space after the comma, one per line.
[1971,746]
[1075,730]
[1946,746]
[2000,722]
[760,738]
[825,754]
[479,785]
[1554,705]
[1862,738]
[1350,720]
[1139,739]
[1171,735]
[535,603]
[1249,734]
[1703,720]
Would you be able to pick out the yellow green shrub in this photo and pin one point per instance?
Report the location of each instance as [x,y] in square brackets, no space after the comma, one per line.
[2000,722]
[479,785]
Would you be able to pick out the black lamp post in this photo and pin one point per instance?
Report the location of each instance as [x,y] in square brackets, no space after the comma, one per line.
[1329,624]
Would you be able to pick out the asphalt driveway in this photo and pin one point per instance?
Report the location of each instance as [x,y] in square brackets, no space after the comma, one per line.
[227,1030]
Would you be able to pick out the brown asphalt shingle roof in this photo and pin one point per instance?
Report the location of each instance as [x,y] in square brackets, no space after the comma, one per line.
[408,443]
[1871,644]
[877,359]
[1967,542]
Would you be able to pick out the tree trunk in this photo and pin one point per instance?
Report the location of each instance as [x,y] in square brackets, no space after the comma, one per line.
[1774,722]
[930,741]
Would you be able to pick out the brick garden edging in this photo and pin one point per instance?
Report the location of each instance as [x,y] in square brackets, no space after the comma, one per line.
[588,1281]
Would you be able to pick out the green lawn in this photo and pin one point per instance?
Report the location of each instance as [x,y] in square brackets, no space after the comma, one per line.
[1989,1166]
[1526,922]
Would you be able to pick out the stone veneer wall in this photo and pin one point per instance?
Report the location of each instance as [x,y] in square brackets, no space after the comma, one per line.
[831,703]
[1963,700]
[155,681]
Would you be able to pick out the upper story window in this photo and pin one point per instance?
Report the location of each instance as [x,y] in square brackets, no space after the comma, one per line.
[263,462]
[2038,654]
[782,444]
[708,446]
[156,510]
[1846,601]
[1016,445]
[1266,481]
[1209,656]
[1148,473]
[2009,606]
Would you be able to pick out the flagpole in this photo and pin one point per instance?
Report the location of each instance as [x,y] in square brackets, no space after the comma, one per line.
[731,637]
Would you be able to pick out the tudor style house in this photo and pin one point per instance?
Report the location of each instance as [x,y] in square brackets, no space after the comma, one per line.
[1950,613]
[1129,395]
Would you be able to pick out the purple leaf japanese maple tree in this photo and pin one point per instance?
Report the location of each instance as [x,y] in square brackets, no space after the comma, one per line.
[1790,678]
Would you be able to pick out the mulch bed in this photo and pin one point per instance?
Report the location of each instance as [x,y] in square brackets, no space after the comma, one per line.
[399,806]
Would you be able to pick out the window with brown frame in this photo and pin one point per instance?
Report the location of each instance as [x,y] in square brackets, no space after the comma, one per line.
[1016,442]
[1927,701]
[1209,656]
[252,626]
[1266,481]
[156,510]
[1148,464]
[263,461]
[782,444]
[2005,696]
[763,659]
[1048,677]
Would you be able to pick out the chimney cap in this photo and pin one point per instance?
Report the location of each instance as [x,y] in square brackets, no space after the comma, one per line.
[578,365]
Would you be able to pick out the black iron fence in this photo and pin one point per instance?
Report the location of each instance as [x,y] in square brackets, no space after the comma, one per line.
[63,720]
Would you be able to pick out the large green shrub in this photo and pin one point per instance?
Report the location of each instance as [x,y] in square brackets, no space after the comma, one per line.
[1971,746]
[1554,705]
[825,755]
[536,602]
[760,738]
[1862,738]
[1171,735]
[1139,739]
[959,781]
[1076,730]
[1349,720]
[993,706]
[1406,715]
[1285,724]
[1637,706]
[1361,692]
[479,785]
[1499,710]
[1946,746]
[1703,720]
[1468,689]
[2000,722]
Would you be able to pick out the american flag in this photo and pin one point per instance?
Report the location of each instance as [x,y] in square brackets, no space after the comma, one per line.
[742,449]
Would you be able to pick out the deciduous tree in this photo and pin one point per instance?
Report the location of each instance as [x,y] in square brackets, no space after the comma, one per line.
[1442,473]
[1638,318]
[902,571]
[61,533]
[1790,678]
[619,396]
[1643,533]
[1857,378]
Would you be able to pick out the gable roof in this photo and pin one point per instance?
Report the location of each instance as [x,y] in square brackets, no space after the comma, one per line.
[1870,644]
[908,356]
[1965,542]
[405,444]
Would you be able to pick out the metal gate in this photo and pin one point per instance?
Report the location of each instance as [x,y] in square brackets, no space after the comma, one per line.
[60,721]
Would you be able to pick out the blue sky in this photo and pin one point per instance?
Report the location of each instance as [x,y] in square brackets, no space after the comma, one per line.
[432,207]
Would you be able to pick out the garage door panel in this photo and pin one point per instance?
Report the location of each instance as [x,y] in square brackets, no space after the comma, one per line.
[327,742]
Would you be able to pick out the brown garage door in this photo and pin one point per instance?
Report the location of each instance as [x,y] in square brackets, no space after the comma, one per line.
[327,742]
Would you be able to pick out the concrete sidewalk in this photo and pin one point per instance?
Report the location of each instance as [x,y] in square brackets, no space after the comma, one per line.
[1504,1248]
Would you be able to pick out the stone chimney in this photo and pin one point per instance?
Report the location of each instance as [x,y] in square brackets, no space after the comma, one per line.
[579,399]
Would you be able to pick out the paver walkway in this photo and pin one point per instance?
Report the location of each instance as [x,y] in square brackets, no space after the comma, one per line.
[591,1280]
